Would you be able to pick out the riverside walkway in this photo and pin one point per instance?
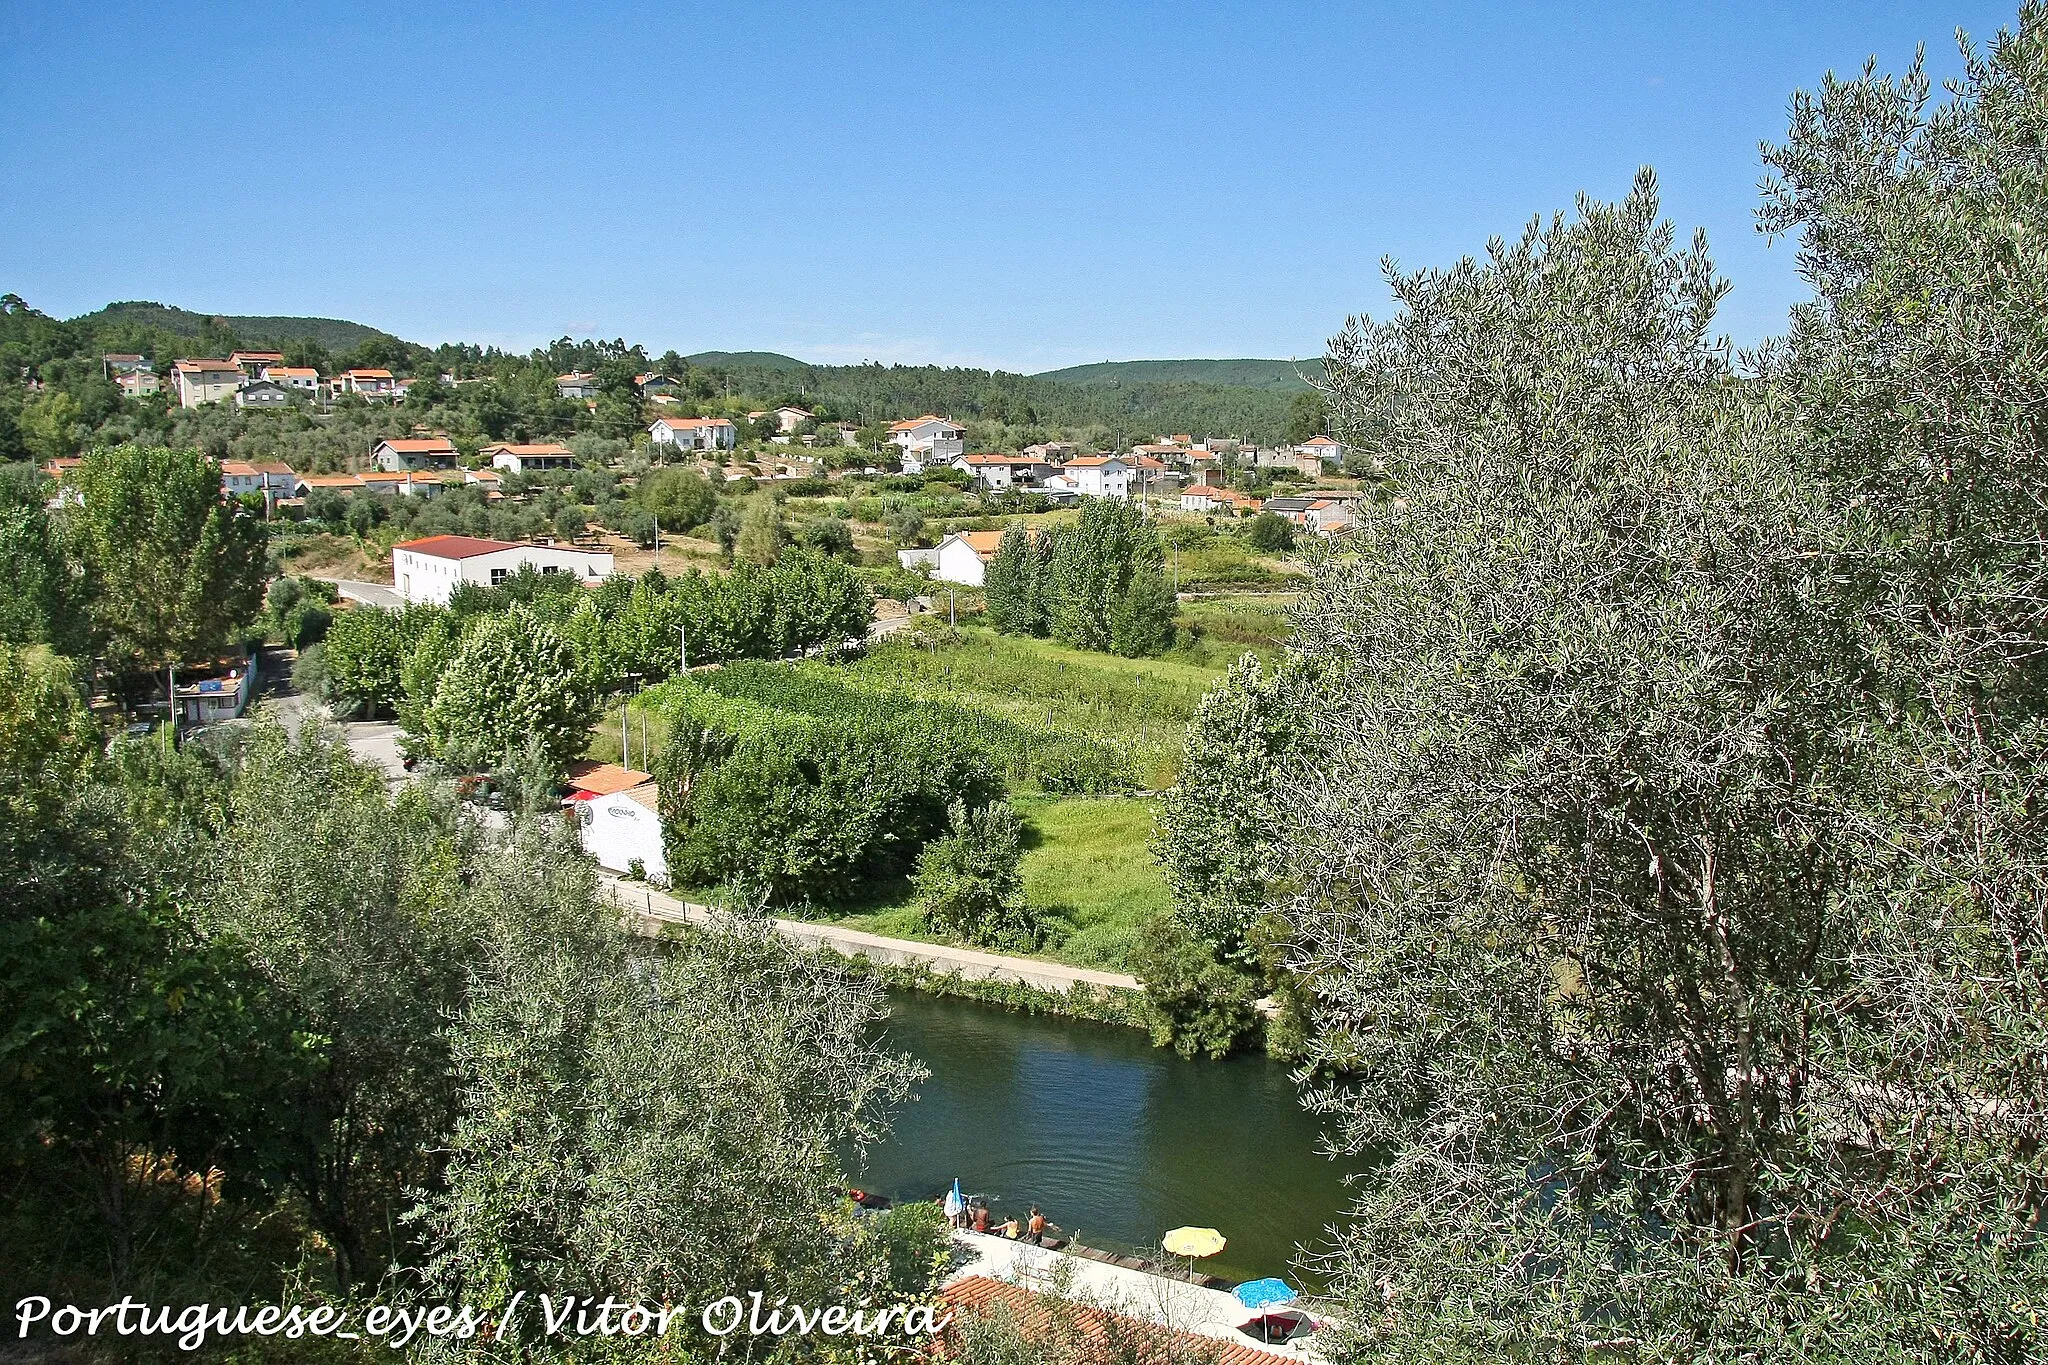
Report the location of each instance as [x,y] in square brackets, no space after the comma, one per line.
[648,910]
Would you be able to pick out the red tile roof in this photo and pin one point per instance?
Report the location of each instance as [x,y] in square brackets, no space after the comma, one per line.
[203,366]
[455,547]
[974,1295]
[545,448]
[605,779]
[917,422]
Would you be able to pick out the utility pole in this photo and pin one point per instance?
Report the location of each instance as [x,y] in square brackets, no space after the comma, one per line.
[951,619]
[683,644]
[171,705]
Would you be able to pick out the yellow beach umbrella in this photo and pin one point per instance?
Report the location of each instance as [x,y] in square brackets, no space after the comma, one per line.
[1193,1243]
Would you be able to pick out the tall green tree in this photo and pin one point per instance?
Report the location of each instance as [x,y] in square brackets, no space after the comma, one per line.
[513,679]
[1565,891]
[176,569]
[1105,586]
[1014,587]
[40,598]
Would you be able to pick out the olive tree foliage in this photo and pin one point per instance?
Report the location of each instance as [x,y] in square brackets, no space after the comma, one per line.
[350,905]
[1566,892]
[661,1121]
[1919,373]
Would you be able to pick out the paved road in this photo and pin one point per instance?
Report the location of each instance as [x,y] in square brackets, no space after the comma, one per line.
[654,908]
[369,594]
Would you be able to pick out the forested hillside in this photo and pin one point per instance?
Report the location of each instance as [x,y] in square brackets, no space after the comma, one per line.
[55,400]
[1288,376]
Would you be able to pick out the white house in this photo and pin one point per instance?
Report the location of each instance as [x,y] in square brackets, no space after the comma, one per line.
[371,384]
[529,459]
[576,384]
[914,560]
[1000,471]
[928,440]
[693,433]
[1100,476]
[789,419]
[303,378]
[205,381]
[618,815]
[123,362]
[964,556]
[430,570]
[413,452]
[269,479]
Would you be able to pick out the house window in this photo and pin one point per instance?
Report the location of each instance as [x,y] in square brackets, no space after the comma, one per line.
[497,577]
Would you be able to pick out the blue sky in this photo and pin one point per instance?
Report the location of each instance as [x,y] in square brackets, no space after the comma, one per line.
[1019,185]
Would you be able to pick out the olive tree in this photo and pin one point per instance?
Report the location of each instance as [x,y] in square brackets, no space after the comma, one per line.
[1561,884]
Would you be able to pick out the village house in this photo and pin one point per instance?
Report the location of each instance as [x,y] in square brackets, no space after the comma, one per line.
[654,384]
[205,381]
[344,484]
[1099,476]
[576,384]
[964,557]
[1318,453]
[119,363]
[299,378]
[136,383]
[925,441]
[486,480]
[256,363]
[400,454]
[529,459]
[618,817]
[1202,497]
[270,479]
[693,433]
[789,418]
[997,472]
[430,570]
[374,385]
[263,395]
[407,484]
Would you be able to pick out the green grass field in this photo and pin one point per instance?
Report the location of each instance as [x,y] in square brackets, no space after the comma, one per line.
[1087,870]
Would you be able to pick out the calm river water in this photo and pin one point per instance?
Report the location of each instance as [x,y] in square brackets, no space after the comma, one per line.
[1116,1140]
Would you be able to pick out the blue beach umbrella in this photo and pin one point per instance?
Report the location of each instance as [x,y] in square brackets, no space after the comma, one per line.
[956,1202]
[1262,1294]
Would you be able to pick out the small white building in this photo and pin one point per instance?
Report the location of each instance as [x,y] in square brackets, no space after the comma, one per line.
[269,479]
[205,381]
[576,384]
[530,459]
[789,419]
[964,557]
[693,433]
[928,440]
[1100,476]
[368,384]
[302,378]
[1317,454]
[618,816]
[430,570]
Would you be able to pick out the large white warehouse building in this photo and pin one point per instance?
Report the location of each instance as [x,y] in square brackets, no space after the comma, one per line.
[430,570]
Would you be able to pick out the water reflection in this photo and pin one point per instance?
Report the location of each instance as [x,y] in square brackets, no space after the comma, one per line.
[1115,1139]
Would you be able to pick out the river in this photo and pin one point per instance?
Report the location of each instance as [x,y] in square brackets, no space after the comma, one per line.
[1116,1140]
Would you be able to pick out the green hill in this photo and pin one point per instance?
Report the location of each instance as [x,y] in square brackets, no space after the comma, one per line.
[333,333]
[745,360]
[1284,375]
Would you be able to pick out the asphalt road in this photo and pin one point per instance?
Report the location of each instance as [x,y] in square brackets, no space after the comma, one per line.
[369,594]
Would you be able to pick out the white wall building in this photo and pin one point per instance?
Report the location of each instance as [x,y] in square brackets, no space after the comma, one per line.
[693,433]
[529,459]
[430,570]
[618,815]
[928,440]
[964,557]
[206,381]
[1100,476]
[576,384]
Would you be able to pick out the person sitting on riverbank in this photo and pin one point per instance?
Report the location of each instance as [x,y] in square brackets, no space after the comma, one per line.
[1012,1230]
[981,1218]
[1035,1226]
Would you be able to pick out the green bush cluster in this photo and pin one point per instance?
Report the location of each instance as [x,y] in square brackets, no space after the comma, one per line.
[806,808]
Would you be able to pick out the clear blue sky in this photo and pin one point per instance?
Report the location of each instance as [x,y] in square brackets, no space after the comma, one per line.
[1021,185]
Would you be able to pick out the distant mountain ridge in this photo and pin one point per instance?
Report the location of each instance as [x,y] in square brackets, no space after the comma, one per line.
[1285,375]
[335,334]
